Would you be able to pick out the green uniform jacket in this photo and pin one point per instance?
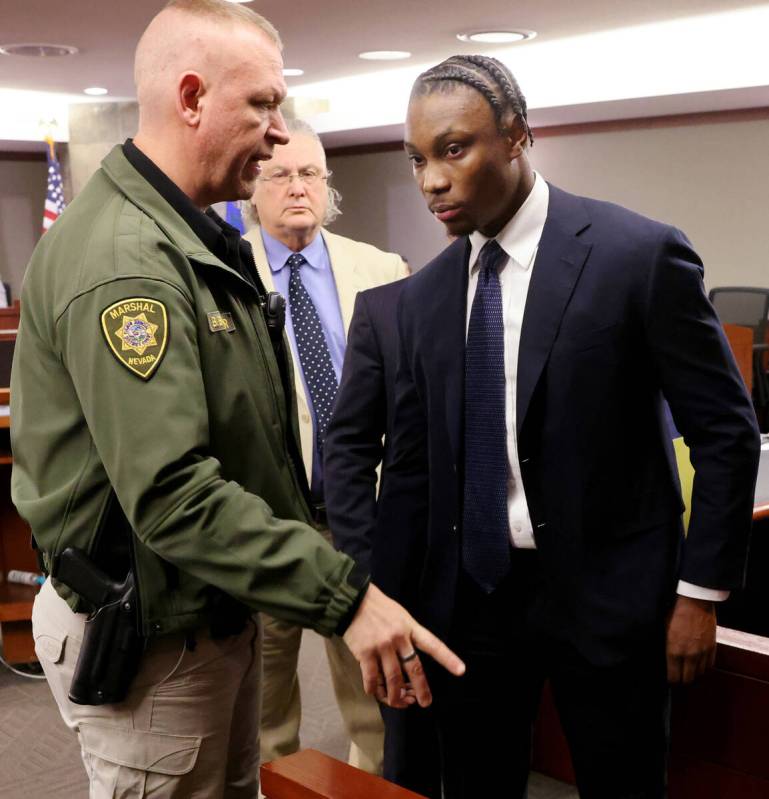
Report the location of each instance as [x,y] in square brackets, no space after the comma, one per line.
[128,374]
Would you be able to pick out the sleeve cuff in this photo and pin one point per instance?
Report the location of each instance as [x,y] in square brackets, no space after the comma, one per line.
[698,592]
[346,620]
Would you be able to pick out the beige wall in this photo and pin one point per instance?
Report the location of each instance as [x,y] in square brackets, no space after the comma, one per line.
[94,129]
[22,198]
[381,205]
[709,179]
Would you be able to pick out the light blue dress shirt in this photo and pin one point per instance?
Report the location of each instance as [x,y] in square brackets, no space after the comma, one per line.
[318,279]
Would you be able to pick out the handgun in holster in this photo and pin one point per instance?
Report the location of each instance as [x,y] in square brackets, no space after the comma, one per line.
[112,646]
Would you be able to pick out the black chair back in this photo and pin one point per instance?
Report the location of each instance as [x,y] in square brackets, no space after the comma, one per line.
[745,306]
[749,307]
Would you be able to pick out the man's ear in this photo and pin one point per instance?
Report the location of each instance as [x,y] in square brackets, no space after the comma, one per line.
[188,98]
[517,137]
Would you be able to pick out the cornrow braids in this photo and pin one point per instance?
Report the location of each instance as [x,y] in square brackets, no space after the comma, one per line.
[486,75]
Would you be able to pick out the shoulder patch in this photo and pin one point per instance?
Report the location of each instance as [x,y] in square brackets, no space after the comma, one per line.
[136,330]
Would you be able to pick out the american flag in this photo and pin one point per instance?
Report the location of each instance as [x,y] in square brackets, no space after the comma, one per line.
[54,196]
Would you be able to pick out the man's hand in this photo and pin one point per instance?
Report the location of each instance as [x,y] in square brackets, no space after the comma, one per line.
[384,639]
[691,639]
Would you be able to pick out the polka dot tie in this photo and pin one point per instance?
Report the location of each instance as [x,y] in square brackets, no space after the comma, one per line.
[314,357]
[485,526]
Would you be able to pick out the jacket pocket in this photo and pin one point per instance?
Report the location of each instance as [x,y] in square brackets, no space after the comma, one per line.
[154,752]
[659,518]
[608,526]
[579,341]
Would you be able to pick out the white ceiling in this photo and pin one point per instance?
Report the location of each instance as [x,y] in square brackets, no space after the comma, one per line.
[323,37]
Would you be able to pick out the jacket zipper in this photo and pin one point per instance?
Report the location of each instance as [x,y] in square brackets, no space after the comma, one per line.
[262,293]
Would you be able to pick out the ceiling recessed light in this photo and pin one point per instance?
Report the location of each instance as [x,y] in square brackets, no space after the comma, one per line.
[38,50]
[95,91]
[496,37]
[291,72]
[384,55]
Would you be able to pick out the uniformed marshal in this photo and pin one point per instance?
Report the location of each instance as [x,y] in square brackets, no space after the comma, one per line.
[155,439]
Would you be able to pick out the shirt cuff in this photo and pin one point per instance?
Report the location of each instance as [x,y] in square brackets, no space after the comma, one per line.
[698,592]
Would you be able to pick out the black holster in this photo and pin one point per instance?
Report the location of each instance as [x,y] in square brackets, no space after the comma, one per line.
[112,645]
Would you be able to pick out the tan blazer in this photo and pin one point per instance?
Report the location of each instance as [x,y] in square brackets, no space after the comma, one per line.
[356,267]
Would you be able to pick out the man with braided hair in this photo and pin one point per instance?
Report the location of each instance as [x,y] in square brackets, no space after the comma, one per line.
[532,494]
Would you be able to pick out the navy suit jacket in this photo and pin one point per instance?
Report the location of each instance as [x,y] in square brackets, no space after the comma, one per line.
[359,435]
[616,317]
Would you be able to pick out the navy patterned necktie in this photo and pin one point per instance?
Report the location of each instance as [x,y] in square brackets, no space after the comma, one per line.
[314,356]
[485,529]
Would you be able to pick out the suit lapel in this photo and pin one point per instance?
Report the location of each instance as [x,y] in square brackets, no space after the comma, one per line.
[449,319]
[347,275]
[254,238]
[560,258]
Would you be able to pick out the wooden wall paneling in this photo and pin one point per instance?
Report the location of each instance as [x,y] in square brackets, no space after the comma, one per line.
[9,318]
[550,752]
[15,537]
[15,553]
[719,727]
[690,777]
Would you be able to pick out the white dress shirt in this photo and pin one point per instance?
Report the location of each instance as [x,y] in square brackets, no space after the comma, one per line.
[519,238]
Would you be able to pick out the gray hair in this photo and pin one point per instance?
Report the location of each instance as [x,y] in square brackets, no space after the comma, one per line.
[299,127]
[224,10]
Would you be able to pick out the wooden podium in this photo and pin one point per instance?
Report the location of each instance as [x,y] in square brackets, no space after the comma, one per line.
[718,727]
[309,774]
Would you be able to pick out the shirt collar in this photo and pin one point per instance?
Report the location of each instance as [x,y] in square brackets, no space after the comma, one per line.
[278,253]
[519,238]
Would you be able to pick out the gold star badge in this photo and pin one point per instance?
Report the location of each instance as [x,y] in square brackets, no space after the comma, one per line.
[136,330]
[137,333]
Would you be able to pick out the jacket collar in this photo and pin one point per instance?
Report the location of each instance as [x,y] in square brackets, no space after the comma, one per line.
[520,237]
[143,195]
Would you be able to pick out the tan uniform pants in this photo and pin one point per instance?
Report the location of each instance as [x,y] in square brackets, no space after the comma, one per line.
[188,728]
[281,701]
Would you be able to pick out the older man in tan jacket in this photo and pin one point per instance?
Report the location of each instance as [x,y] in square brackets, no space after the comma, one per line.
[319,274]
